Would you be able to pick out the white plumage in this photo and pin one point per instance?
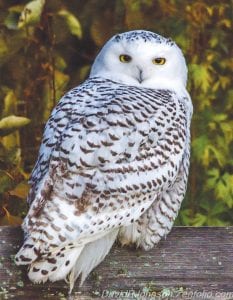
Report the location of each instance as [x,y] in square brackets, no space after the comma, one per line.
[113,161]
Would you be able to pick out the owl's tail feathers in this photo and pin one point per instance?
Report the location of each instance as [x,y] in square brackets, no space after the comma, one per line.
[53,265]
[56,266]
[72,261]
[92,254]
[27,253]
[67,262]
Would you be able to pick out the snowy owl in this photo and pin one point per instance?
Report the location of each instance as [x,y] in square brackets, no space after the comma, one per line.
[114,160]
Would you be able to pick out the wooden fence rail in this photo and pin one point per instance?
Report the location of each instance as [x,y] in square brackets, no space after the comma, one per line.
[192,263]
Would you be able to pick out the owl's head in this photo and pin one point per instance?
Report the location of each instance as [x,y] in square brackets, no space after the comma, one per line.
[141,58]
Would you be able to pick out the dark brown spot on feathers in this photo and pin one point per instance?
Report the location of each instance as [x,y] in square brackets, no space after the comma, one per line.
[106,144]
[69,228]
[113,137]
[67,262]
[45,195]
[36,251]
[149,184]
[83,202]
[102,160]
[113,153]
[62,216]
[56,228]
[52,260]
[92,145]
[101,205]
[84,163]
[91,186]
[85,150]
[28,246]
[61,238]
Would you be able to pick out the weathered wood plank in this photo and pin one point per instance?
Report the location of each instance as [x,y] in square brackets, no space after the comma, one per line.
[188,264]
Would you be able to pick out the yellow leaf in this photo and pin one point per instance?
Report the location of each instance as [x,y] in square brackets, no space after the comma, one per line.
[225,22]
[214,41]
[72,22]
[10,101]
[210,57]
[11,123]
[215,86]
[21,190]
[61,81]
[210,10]
[31,13]
[224,81]
[8,219]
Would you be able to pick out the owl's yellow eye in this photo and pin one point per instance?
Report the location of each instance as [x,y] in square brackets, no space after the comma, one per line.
[159,61]
[125,58]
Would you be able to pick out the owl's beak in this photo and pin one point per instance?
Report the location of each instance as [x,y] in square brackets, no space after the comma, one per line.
[140,77]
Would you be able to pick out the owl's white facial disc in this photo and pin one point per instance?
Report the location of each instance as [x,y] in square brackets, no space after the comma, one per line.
[142,68]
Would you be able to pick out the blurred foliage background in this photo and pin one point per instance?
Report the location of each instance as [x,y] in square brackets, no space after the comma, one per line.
[47,47]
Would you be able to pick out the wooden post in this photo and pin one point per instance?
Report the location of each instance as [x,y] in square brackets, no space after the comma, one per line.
[192,263]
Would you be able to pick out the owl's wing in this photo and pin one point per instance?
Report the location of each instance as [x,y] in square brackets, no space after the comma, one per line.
[119,149]
[56,124]
[157,221]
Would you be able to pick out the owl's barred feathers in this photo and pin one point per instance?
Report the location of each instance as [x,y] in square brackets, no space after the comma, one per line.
[142,35]
[113,163]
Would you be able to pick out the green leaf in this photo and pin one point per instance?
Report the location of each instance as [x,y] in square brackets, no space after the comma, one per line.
[218,208]
[205,152]
[11,21]
[229,98]
[12,123]
[182,41]
[60,63]
[213,152]
[214,212]
[213,177]
[201,76]
[224,189]
[199,146]
[225,81]
[219,117]
[185,217]
[6,181]
[199,219]
[72,22]
[226,128]
[31,13]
